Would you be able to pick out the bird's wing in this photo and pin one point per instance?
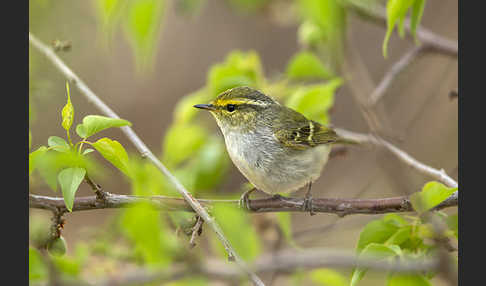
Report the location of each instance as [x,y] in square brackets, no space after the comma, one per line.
[300,133]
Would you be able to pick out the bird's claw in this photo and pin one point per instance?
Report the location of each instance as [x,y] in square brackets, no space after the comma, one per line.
[244,201]
[307,206]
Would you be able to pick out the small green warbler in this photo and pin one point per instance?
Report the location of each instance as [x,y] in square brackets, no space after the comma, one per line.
[276,148]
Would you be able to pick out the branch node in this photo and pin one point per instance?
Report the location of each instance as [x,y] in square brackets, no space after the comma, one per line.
[144,154]
[196,231]
[100,194]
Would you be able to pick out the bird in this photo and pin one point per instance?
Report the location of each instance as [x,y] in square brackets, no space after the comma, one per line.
[276,148]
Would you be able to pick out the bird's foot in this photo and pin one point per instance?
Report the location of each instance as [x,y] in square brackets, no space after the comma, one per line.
[307,206]
[244,201]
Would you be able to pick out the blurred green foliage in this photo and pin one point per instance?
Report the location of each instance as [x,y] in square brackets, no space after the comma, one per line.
[328,277]
[432,194]
[396,11]
[237,227]
[397,236]
[144,227]
[324,28]
[305,65]
[37,267]
[141,21]
[314,101]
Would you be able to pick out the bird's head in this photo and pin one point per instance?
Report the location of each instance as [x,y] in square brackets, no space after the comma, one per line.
[239,108]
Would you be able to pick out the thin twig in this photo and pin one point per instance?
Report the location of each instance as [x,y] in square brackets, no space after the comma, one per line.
[144,151]
[393,73]
[439,175]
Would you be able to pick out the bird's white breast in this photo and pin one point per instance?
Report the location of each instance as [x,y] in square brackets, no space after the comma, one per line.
[272,167]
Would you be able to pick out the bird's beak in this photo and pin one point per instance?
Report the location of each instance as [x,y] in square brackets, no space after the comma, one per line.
[205,106]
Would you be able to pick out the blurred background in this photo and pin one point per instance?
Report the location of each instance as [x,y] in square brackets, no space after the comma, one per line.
[144,82]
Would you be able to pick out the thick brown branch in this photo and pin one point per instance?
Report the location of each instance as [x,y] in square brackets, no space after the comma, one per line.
[340,207]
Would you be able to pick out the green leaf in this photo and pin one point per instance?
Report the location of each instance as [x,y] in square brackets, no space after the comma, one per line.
[143,22]
[399,237]
[238,69]
[432,194]
[109,12]
[58,144]
[37,268]
[377,231]
[375,251]
[34,156]
[114,152]
[310,34]
[30,140]
[396,219]
[70,179]
[243,237]
[182,141]
[67,111]
[314,101]
[416,16]
[330,17]
[408,280]
[93,124]
[328,277]
[395,9]
[51,163]
[305,65]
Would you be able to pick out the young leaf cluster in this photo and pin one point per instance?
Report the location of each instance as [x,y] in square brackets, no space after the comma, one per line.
[65,163]
[396,11]
[141,22]
[396,237]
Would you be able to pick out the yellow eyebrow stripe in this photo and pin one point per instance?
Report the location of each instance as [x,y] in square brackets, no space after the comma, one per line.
[223,102]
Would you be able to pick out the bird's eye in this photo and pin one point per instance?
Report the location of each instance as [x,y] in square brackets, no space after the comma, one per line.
[230,107]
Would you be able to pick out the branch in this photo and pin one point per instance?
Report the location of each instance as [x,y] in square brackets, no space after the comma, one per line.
[273,204]
[393,73]
[143,149]
[283,261]
[425,36]
[439,175]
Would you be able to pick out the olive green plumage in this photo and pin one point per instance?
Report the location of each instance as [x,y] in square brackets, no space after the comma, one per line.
[276,148]
[296,131]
